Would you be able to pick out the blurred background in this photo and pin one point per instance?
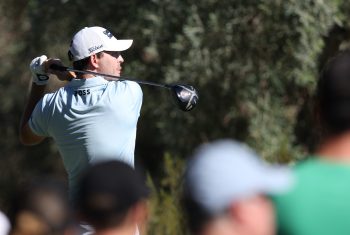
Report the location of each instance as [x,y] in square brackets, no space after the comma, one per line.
[253,62]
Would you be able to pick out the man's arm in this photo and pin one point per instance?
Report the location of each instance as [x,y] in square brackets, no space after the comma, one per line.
[27,136]
[39,68]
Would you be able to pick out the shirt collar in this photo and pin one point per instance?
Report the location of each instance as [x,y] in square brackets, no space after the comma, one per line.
[98,80]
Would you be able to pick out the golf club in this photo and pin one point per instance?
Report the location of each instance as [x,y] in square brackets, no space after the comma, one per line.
[185,96]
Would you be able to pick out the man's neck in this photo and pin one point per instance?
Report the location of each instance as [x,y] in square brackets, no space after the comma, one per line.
[124,230]
[336,148]
[85,76]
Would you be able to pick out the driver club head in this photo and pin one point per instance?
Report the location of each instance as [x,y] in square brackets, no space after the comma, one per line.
[185,96]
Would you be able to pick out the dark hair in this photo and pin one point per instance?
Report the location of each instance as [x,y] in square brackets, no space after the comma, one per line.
[333,95]
[196,216]
[107,191]
[83,63]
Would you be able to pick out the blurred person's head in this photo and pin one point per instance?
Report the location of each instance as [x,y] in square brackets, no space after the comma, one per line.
[41,207]
[112,197]
[333,95]
[225,188]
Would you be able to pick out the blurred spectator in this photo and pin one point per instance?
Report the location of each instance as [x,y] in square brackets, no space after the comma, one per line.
[41,208]
[112,199]
[4,224]
[224,190]
[319,202]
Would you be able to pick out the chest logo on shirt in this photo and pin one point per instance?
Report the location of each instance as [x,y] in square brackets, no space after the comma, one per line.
[82,92]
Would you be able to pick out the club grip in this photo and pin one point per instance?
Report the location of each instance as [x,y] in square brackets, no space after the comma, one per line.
[58,67]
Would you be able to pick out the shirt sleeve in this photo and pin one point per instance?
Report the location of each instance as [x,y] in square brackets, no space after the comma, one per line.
[137,96]
[39,121]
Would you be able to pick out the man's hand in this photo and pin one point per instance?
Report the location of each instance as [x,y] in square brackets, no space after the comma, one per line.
[40,68]
[37,67]
[62,75]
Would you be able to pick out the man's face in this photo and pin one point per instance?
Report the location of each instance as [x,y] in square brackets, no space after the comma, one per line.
[110,63]
[259,215]
[219,226]
[251,216]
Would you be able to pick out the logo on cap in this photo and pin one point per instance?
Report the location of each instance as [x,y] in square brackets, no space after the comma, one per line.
[94,48]
[109,34]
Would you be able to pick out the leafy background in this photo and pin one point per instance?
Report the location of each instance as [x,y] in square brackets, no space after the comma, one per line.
[254,63]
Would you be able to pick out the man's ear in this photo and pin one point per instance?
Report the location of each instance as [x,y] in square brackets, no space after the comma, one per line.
[236,210]
[141,211]
[141,215]
[94,61]
[239,211]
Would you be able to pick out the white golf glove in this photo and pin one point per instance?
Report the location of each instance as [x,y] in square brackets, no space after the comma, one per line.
[39,76]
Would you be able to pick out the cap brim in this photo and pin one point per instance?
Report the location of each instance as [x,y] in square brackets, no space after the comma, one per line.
[120,45]
[277,180]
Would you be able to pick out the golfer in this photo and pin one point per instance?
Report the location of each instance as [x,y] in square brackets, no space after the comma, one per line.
[90,119]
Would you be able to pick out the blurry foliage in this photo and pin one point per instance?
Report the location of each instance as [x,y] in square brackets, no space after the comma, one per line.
[165,216]
[254,64]
[249,60]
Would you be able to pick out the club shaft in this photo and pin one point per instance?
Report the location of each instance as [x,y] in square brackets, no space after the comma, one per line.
[118,78]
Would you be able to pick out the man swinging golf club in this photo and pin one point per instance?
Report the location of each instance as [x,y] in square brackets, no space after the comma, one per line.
[90,119]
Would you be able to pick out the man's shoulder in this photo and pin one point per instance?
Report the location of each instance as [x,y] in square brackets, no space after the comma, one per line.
[131,84]
[58,92]
[58,96]
[49,96]
[302,171]
[125,87]
[313,172]
[313,166]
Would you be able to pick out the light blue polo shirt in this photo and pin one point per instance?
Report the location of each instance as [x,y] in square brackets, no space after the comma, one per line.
[90,120]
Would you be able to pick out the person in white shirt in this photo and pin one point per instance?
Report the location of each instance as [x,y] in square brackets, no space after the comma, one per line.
[90,119]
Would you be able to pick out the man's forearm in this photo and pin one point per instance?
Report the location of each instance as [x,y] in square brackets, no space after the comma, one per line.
[36,93]
[26,136]
[40,69]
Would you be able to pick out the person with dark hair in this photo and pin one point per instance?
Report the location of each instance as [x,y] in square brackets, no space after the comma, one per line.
[319,202]
[41,207]
[225,190]
[90,118]
[112,198]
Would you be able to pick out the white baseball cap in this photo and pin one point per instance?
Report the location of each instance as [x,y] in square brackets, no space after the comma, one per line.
[225,171]
[91,40]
